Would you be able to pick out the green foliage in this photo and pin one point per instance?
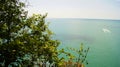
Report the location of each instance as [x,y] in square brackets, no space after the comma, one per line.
[78,59]
[10,19]
[82,54]
[37,39]
[21,36]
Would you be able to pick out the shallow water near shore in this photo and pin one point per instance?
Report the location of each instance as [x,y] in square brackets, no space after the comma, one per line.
[102,36]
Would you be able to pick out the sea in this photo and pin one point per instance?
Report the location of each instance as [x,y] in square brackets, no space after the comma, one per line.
[102,36]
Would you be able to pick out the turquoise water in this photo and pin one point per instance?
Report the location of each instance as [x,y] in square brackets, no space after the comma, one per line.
[102,36]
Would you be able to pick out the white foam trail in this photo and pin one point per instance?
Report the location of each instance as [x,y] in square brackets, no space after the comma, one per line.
[106,30]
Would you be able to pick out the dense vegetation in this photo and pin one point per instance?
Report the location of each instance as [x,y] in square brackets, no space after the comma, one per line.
[25,40]
[21,36]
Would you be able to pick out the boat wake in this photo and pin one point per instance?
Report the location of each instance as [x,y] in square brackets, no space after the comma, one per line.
[106,30]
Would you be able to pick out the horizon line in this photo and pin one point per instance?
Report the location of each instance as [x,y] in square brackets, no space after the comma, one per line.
[83,18]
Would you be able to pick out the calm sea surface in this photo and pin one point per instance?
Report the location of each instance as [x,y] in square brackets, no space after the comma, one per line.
[102,36]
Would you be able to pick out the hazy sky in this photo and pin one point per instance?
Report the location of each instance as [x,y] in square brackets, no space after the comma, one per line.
[100,9]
